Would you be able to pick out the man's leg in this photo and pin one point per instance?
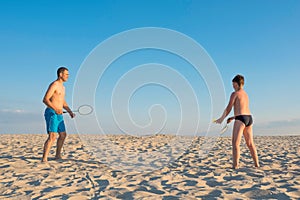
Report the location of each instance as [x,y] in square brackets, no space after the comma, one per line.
[60,143]
[47,146]
[236,140]
[250,143]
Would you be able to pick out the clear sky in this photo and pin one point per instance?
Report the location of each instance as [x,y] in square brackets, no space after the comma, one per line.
[259,39]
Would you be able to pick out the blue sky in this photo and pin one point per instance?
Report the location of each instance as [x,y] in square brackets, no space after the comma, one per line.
[259,39]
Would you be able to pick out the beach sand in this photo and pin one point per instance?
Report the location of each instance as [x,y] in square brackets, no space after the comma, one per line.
[83,174]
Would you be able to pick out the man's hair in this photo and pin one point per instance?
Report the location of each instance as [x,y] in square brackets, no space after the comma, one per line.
[60,70]
[239,79]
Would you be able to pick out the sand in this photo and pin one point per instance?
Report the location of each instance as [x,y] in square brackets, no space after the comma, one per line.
[89,173]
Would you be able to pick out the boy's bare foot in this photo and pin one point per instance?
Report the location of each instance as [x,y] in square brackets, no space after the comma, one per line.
[235,167]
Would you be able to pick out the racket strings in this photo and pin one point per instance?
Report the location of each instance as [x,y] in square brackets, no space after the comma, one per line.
[85,109]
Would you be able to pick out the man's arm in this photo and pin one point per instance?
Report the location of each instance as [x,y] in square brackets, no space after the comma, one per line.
[228,108]
[66,107]
[47,98]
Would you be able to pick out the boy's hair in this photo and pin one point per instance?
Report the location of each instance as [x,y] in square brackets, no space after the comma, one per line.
[239,79]
[60,70]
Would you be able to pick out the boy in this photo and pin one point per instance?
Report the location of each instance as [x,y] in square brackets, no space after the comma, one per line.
[243,121]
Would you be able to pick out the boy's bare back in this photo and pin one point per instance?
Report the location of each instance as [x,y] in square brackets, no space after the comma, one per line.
[240,102]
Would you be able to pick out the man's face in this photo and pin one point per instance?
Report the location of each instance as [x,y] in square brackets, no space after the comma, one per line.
[235,86]
[64,75]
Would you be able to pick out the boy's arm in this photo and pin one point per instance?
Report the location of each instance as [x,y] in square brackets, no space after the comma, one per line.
[228,108]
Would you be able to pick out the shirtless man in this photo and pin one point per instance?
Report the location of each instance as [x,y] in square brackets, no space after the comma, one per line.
[243,121]
[55,102]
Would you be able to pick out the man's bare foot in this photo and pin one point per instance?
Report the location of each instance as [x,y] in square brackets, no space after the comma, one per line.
[58,158]
[235,167]
[44,161]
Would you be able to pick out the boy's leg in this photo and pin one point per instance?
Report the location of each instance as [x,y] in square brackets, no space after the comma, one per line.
[248,134]
[236,140]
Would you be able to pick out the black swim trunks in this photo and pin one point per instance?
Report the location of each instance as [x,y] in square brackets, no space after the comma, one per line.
[246,119]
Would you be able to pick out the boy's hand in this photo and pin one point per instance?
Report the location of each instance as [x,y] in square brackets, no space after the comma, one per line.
[230,119]
[218,121]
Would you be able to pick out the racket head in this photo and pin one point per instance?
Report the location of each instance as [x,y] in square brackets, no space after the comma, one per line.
[85,109]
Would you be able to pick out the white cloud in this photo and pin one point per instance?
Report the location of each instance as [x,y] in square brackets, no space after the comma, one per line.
[12,111]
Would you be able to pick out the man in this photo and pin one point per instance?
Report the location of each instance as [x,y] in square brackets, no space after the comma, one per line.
[55,102]
[243,121]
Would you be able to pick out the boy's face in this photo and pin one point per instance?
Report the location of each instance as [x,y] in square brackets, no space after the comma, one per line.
[235,86]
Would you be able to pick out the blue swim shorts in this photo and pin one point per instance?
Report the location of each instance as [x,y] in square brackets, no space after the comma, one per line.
[54,122]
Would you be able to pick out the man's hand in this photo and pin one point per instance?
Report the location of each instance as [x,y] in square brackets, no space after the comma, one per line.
[72,115]
[58,111]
